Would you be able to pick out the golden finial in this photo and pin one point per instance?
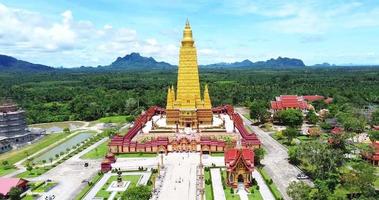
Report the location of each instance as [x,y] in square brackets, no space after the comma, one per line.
[187,24]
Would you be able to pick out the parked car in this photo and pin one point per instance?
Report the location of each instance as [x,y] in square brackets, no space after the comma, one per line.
[302,176]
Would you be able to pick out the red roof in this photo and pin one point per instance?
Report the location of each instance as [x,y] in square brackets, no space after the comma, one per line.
[376,128]
[234,156]
[7,183]
[311,98]
[336,130]
[289,101]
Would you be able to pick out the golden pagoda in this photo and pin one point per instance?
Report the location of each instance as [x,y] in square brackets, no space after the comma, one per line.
[187,108]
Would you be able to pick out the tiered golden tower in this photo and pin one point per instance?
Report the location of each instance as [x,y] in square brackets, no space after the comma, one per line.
[187,108]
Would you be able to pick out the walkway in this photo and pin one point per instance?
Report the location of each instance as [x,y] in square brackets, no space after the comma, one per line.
[180,179]
[276,160]
[71,175]
[218,191]
[263,188]
[242,192]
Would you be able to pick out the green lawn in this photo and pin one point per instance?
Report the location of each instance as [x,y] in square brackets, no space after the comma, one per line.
[136,155]
[34,172]
[115,119]
[254,194]
[274,190]
[88,187]
[16,155]
[218,154]
[376,183]
[30,197]
[105,194]
[208,187]
[4,170]
[62,125]
[228,193]
[45,187]
[98,152]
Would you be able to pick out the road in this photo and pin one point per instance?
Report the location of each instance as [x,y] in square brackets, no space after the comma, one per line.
[70,174]
[276,160]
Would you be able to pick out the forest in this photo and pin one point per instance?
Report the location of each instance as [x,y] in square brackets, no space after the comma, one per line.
[74,95]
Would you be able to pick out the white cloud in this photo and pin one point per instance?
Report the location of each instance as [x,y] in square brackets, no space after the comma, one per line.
[70,42]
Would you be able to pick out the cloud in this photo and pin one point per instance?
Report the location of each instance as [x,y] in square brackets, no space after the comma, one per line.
[70,42]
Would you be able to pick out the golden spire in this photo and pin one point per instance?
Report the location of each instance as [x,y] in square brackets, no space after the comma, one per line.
[170,102]
[207,99]
[187,35]
[173,94]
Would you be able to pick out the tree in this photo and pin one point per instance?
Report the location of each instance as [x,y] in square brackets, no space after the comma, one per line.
[141,192]
[258,111]
[14,193]
[290,117]
[258,155]
[290,133]
[5,162]
[375,117]
[359,178]
[312,117]
[29,168]
[299,191]
[373,135]
[66,130]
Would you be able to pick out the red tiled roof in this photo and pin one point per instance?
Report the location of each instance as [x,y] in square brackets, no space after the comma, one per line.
[289,101]
[336,130]
[311,98]
[7,183]
[233,156]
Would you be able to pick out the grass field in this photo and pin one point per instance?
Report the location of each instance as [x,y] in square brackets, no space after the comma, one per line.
[58,124]
[4,171]
[105,194]
[115,119]
[274,190]
[16,155]
[88,187]
[254,194]
[45,187]
[136,155]
[98,152]
[218,154]
[208,187]
[34,172]
[228,193]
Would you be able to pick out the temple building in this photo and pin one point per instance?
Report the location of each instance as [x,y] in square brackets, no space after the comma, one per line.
[13,128]
[239,166]
[188,123]
[186,107]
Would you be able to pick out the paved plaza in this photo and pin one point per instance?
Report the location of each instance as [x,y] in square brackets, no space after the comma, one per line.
[180,179]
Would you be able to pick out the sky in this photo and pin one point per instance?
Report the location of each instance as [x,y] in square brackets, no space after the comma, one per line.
[72,33]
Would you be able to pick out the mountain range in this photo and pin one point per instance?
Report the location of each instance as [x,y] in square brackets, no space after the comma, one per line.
[135,61]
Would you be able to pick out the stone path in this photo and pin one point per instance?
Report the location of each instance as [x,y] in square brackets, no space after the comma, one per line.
[263,188]
[242,192]
[218,191]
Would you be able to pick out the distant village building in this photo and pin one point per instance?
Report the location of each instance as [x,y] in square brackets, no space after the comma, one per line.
[239,166]
[13,128]
[373,157]
[284,102]
[6,185]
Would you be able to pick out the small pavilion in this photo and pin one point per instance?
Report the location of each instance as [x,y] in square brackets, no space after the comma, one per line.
[239,166]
